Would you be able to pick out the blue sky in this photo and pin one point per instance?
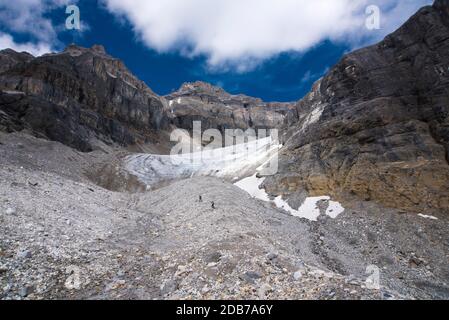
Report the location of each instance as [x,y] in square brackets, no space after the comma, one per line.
[261,49]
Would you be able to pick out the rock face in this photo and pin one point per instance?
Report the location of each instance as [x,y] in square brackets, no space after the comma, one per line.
[76,97]
[377,125]
[9,58]
[218,109]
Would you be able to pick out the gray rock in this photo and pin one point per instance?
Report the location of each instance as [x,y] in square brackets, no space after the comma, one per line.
[10,211]
[169,286]
[250,277]
[272,256]
[3,269]
[7,288]
[387,296]
[253,275]
[213,257]
[26,291]
[24,254]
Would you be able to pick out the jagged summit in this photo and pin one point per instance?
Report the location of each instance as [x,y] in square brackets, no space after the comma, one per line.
[12,52]
[200,87]
[219,109]
[205,89]
[76,50]
[10,58]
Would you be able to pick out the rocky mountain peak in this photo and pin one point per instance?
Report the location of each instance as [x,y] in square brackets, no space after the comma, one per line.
[199,87]
[75,50]
[99,49]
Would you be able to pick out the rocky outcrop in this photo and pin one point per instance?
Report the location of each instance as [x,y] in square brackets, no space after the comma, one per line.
[217,109]
[9,58]
[76,97]
[377,125]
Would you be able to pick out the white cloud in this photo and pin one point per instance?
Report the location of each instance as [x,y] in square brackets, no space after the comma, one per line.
[241,33]
[28,17]
[7,41]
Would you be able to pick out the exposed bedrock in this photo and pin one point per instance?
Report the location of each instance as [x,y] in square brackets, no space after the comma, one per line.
[77,96]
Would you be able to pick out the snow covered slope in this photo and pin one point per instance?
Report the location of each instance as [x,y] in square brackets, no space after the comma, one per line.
[231,162]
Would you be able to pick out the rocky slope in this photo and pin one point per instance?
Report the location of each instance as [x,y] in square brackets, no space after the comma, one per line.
[166,244]
[377,125]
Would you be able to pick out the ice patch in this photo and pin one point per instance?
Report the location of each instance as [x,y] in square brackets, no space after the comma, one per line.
[427,217]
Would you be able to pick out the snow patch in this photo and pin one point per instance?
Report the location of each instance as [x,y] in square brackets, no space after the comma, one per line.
[14,92]
[111,75]
[427,216]
[252,186]
[130,84]
[308,210]
[334,209]
[314,116]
